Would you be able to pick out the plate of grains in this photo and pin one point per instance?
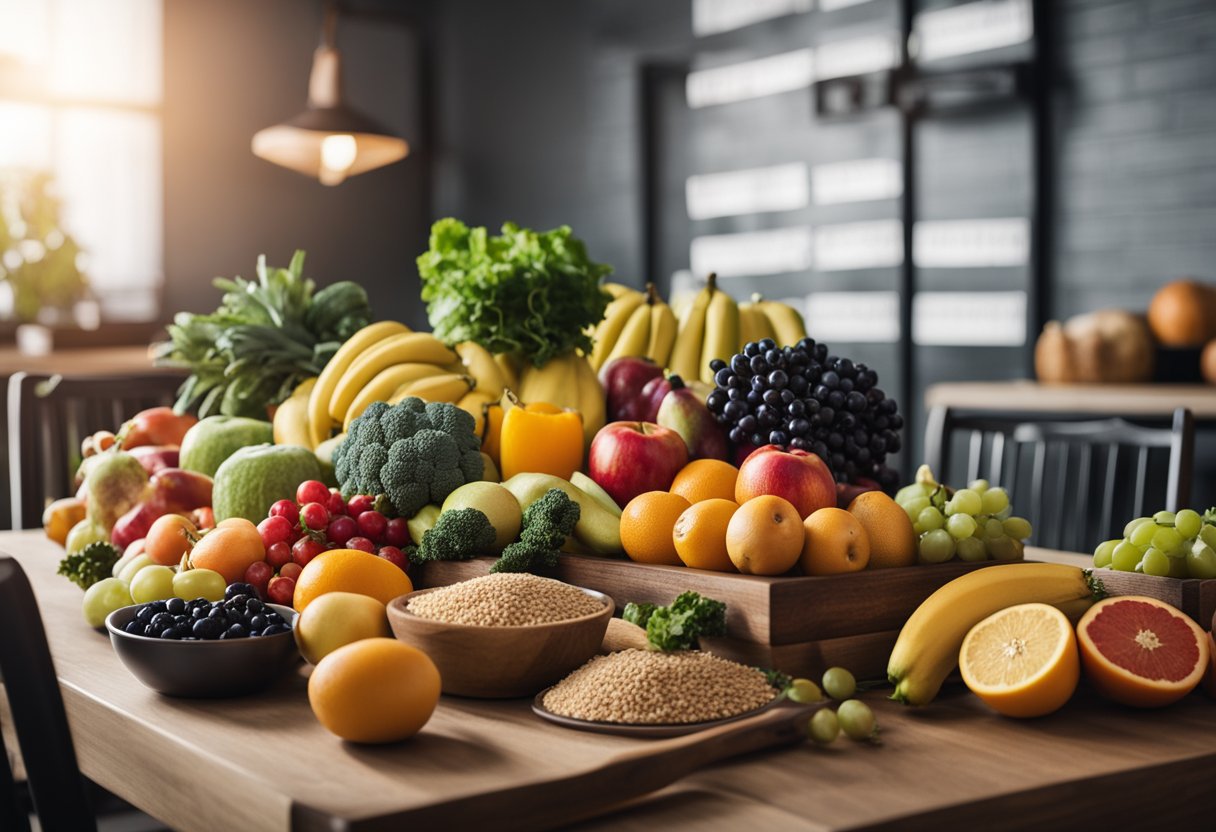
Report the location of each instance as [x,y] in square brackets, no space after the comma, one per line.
[642,693]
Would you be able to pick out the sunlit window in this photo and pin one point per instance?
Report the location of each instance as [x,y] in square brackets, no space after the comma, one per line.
[80,96]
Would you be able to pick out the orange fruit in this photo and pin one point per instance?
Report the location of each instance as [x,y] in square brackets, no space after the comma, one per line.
[835,543]
[349,570]
[647,524]
[1140,651]
[170,537]
[706,479]
[229,548]
[1022,661]
[700,535]
[374,690]
[892,538]
[764,536]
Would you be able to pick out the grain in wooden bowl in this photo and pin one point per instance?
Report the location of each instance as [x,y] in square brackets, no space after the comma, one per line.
[506,599]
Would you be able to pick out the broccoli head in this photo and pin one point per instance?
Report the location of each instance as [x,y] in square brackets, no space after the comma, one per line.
[547,522]
[90,564]
[413,452]
[459,534]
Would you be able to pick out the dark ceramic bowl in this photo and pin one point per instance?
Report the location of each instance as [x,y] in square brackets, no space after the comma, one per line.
[209,669]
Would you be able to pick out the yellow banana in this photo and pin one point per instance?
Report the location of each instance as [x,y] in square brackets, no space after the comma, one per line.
[721,332]
[409,347]
[385,383]
[320,422]
[754,325]
[554,383]
[786,321]
[510,365]
[663,328]
[448,387]
[474,403]
[290,424]
[617,289]
[685,358]
[590,400]
[609,330]
[635,337]
[927,648]
[480,364]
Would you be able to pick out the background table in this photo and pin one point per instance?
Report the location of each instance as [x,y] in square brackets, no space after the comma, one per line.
[264,763]
[1031,396]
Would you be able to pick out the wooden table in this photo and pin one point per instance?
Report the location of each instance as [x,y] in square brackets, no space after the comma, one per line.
[1031,396]
[99,361]
[264,763]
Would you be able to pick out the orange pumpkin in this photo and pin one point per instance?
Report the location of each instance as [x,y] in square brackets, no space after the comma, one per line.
[1183,314]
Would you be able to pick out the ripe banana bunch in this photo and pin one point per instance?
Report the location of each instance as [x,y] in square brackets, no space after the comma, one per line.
[567,381]
[290,423]
[760,319]
[636,324]
[928,645]
[709,329]
[490,381]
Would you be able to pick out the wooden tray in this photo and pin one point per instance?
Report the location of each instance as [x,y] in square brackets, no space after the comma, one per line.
[1195,597]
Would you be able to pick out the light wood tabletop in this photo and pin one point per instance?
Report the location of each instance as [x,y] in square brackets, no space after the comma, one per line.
[96,361]
[264,763]
[1031,396]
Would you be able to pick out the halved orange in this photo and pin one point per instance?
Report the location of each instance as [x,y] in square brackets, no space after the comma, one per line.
[1140,651]
[1022,661]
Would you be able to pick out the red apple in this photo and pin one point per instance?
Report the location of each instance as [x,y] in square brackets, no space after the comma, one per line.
[176,489]
[156,458]
[800,477]
[623,379]
[650,399]
[631,458]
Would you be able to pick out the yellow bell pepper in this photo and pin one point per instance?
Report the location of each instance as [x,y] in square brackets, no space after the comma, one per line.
[540,438]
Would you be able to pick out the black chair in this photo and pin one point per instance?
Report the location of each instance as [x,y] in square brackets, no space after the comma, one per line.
[48,416]
[1054,468]
[60,793]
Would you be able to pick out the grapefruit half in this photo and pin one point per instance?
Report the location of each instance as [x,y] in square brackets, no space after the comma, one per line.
[1140,651]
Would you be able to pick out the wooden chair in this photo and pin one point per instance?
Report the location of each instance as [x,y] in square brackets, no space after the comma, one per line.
[48,416]
[1077,481]
[60,793]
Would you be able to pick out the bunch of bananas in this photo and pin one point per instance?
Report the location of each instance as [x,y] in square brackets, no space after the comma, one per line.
[709,329]
[635,324]
[569,382]
[760,319]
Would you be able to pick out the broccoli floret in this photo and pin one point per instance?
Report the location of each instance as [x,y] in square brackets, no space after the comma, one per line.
[90,564]
[457,423]
[459,534]
[546,524]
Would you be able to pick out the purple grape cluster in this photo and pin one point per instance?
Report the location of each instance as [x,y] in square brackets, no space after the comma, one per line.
[802,397]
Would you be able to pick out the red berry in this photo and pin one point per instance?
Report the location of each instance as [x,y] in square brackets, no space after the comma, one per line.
[281,590]
[259,574]
[372,524]
[362,544]
[287,509]
[394,556]
[290,570]
[359,504]
[304,550]
[397,532]
[341,529]
[312,491]
[336,505]
[314,516]
[278,554]
[275,529]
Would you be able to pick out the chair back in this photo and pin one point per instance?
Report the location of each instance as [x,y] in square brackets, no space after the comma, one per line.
[49,416]
[59,791]
[1078,481]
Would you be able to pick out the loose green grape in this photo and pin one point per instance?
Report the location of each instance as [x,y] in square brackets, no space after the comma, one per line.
[1105,553]
[102,598]
[856,719]
[1017,527]
[839,683]
[930,519]
[152,583]
[971,549]
[1142,535]
[1169,541]
[803,691]
[993,528]
[912,492]
[824,727]
[979,486]
[199,583]
[1201,561]
[936,546]
[1132,524]
[915,506]
[1005,548]
[965,501]
[960,526]
[995,500]
[1126,556]
[1164,518]
[1188,523]
[1155,562]
[1208,535]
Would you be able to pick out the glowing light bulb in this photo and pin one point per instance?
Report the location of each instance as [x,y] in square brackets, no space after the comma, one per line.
[338,153]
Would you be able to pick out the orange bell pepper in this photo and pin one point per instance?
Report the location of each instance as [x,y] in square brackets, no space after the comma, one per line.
[541,438]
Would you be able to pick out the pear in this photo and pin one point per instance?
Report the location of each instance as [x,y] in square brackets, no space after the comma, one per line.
[116,481]
[683,411]
[598,529]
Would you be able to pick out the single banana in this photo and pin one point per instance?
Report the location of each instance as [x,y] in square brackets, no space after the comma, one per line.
[385,384]
[475,403]
[510,365]
[320,422]
[609,330]
[685,358]
[721,332]
[617,289]
[786,321]
[290,424]
[663,328]
[754,325]
[449,387]
[635,337]
[927,648]
[591,403]
[554,383]
[409,347]
[480,364]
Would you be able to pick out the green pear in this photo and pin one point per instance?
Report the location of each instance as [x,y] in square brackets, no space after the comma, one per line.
[421,523]
[584,483]
[598,528]
[497,503]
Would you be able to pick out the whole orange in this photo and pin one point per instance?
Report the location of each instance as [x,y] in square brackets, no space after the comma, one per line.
[647,524]
[229,548]
[700,535]
[764,536]
[170,537]
[706,479]
[892,538]
[350,570]
[374,690]
[835,543]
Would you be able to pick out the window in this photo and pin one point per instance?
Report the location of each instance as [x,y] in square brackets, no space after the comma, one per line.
[80,96]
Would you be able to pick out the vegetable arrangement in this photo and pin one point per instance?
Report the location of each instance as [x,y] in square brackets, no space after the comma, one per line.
[533,293]
[679,625]
[266,337]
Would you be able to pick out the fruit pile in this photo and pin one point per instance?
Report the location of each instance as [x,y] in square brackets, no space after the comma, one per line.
[801,397]
[1168,544]
[972,523]
[241,614]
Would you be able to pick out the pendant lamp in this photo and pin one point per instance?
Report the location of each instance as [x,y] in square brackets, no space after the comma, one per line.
[329,141]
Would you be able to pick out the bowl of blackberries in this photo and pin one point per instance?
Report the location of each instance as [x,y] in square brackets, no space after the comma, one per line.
[204,648]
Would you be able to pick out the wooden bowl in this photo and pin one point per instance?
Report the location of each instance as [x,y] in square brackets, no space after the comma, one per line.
[501,662]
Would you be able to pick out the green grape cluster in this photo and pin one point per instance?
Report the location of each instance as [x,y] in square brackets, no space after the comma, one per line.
[1168,545]
[972,524]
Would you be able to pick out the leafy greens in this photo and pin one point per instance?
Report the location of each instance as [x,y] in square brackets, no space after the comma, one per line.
[678,626]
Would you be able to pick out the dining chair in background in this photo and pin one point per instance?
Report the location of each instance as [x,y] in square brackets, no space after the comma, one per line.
[1077,480]
[48,416]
